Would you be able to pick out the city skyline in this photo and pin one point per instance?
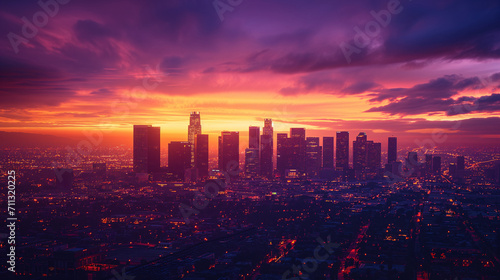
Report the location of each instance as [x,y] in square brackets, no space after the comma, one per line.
[86,70]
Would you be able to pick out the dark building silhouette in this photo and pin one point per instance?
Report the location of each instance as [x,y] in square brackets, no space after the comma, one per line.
[146,149]
[373,155]
[392,149]
[254,137]
[428,164]
[266,149]
[193,129]
[359,152]
[252,164]
[313,156]
[297,143]
[328,152]
[201,154]
[229,151]
[436,165]
[179,158]
[342,151]
[283,153]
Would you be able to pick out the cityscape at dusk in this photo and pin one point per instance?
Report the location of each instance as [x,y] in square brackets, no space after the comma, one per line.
[255,140]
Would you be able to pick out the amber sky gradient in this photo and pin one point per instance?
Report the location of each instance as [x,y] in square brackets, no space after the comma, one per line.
[267,59]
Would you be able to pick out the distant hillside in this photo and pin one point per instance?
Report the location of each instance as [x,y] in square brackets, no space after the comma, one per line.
[24,140]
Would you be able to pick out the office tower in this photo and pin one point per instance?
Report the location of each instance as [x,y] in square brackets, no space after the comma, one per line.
[179,158]
[283,153]
[201,154]
[313,156]
[252,166]
[452,169]
[342,151]
[460,172]
[193,129]
[359,152]
[428,164]
[266,149]
[146,149]
[253,137]
[392,150]
[266,156]
[373,155]
[436,165]
[297,143]
[229,151]
[328,152]
[219,153]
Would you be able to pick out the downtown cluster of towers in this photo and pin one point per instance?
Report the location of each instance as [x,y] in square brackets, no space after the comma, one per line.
[296,155]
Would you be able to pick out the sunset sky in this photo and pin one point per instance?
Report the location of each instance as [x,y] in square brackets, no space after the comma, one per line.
[111,64]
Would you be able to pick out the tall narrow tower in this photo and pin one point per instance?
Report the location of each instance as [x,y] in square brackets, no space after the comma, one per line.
[193,129]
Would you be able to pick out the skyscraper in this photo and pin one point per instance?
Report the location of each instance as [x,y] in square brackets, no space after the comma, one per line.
[392,150]
[193,129]
[428,164]
[229,151]
[342,151]
[328,152]
[297,143]
[313,156]
[283,153]
[179,158]
[436,165]
[266,149]
[359,152]
[252,164]
[146,154]
[253,137]
[373,155]
[201,154]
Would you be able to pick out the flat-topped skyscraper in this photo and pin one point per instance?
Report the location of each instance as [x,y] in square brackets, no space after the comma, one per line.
[193,129]
[392,149]
[146,149]
[342,151]
[266,149]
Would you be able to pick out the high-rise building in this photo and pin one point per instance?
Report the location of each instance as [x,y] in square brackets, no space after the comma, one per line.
[254,137]
[283,152]
[342,151]
[428,164]
[359,152]
[436,165]
[146,152]
[201,154]
[252,164]
[313,156]
[266,149]
[229,151]
[392,150]
[193,129]
[373,155]
[179,158]
[328,152]
[266,156]
[297,143]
